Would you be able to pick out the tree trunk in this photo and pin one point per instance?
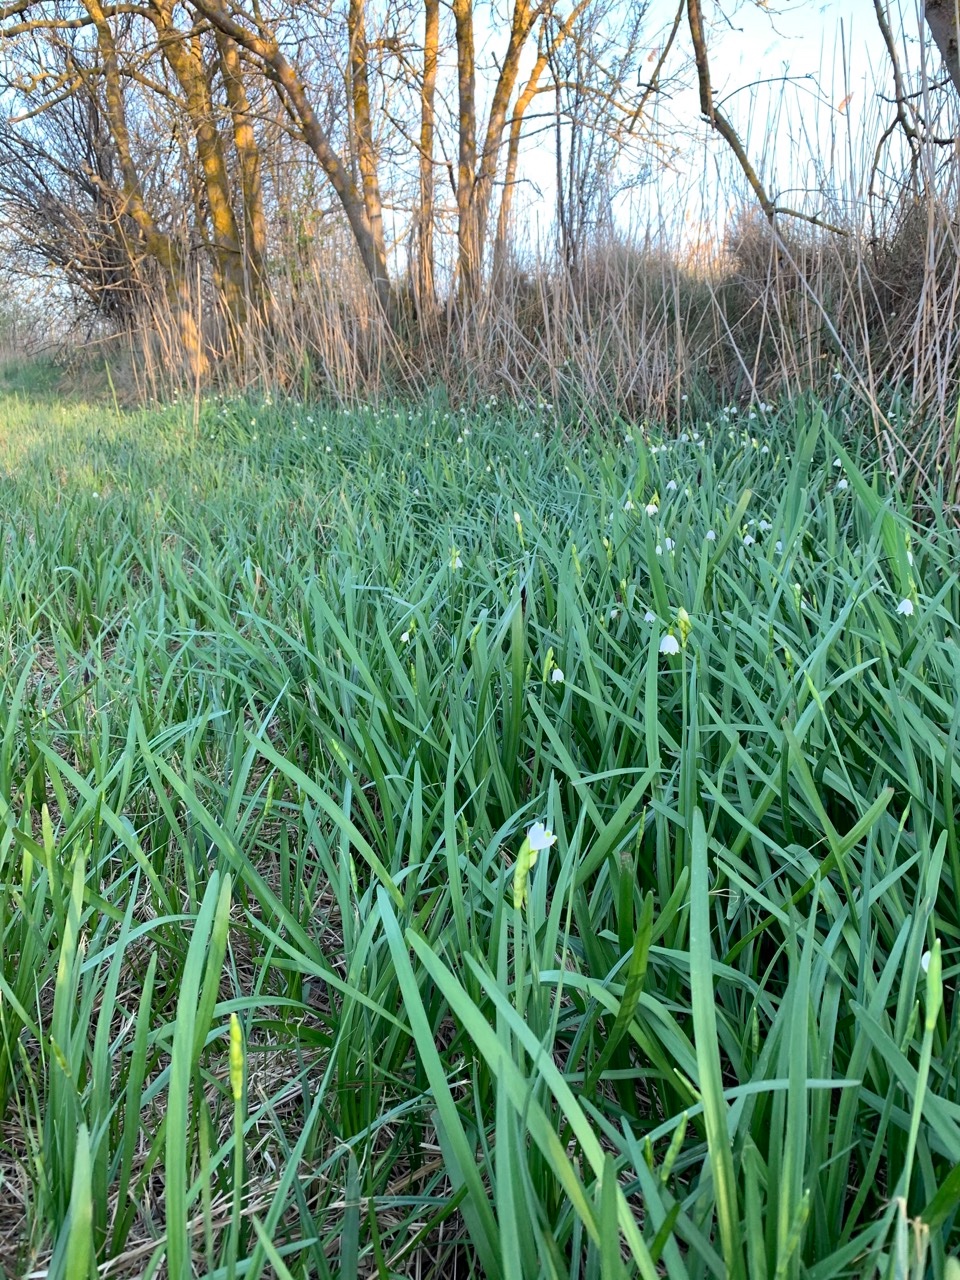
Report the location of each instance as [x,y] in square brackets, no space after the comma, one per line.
[424,275]
[942,19]
[159,245]
[468,244]
[366,226]
[183,54]
[254,237]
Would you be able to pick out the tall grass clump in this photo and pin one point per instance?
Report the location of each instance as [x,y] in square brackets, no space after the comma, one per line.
[436,844]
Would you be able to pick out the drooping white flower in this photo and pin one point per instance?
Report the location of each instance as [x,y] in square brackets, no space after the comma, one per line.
[539,837]
[669,543]
[651,508]
[778,546]
[658,549]
[649,616]
[671,485]
[905,607]
[556,676]
[669,644]
[711,536]
[764,526]
[843,484]
[748,540]
[405,638]
[455,561]
[628,505]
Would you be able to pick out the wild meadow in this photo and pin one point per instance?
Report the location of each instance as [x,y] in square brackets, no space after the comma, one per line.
[457,844]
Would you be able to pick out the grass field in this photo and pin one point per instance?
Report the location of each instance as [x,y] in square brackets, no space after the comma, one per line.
[284,988]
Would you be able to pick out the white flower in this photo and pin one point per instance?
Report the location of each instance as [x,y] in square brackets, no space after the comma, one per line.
[764,526]
[671,485]
[765,449]
[651,508]
[405,638]
[649,616]
[669,543]
[628,505]
[837,462]
[684,438]
[906,608]
[556,676]
[843,484]
[778,546]
[669,644]
[684,399]
[614,613]
[658,549]
[538,837]
[628,439]
[711,536]
[748,540]
[95,494]
[516,517]
[455,561]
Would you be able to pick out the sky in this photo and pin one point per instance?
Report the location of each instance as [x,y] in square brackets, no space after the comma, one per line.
[798,80]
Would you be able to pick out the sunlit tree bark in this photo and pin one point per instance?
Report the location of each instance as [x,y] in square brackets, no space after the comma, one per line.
[942,19]
[164,248]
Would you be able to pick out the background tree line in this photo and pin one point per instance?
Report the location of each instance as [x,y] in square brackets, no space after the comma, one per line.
[332,187]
